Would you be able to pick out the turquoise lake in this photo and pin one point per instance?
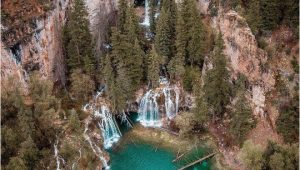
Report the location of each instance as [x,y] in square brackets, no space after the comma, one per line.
[146,157]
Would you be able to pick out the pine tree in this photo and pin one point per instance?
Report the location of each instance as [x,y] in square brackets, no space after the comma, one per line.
[29,152]
[176,65]
[165,30]
[253,16]
[78,41]
[16,163]
[216,87]
[114,91]
[201,110]
[252,155]
[74,121]
[152,11]
[270,13]
[163,42]
[153,67]
[288,119]
[242,120]
[131,26]
[197,38]
[82,86]
[192,36]
[122,15]
[135,71]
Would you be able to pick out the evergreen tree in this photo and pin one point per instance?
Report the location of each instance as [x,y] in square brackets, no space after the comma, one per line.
[171,7]
[16,163]
[131,26]
[78,41]
[152,11]
[192,33]
[288,120]
[252,155]
[165,30]
[242,120]
[176,65]
[122,15]
[153,67]
[82,86]
[270,13]
[74,121]
[120,54]
[276,161]
[114,91]
[197,38]
[29,152]
[163,38]
[201,110]
[135,66]
[216,87]
[253,16]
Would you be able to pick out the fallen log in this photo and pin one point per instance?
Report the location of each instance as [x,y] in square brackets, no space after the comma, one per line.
[197,161]
[180,156]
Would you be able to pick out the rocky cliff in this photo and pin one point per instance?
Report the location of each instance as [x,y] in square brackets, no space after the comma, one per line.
[35,47]
[35,42]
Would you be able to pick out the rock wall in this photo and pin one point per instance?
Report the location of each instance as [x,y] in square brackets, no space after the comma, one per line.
[245,57]
[243,54]
[42,51]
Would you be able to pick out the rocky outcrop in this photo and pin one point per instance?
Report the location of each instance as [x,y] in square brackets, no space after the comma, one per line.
[38,46]
[42,51]
[245,57]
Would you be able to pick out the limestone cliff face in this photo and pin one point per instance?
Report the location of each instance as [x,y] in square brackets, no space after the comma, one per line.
[39,47]
[41,51]
[245,57]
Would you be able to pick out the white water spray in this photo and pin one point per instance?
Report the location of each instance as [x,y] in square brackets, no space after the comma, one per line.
[146,21]
[149,112]
[109,129]
[106,122]
[57,157]
[125,119]
[94,147]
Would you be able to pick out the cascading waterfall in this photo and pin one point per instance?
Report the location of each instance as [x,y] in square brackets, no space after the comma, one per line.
[57,157]
[109,128]
[149,113]
[146,21]
[94,147]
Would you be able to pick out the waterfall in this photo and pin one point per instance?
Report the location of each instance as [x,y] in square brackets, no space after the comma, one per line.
[125,120]
[94,147]
[149,112]
[146,21]
[57,157]
[109,129]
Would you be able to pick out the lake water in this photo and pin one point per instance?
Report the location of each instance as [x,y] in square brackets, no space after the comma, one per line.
[147,157]
[144,156]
